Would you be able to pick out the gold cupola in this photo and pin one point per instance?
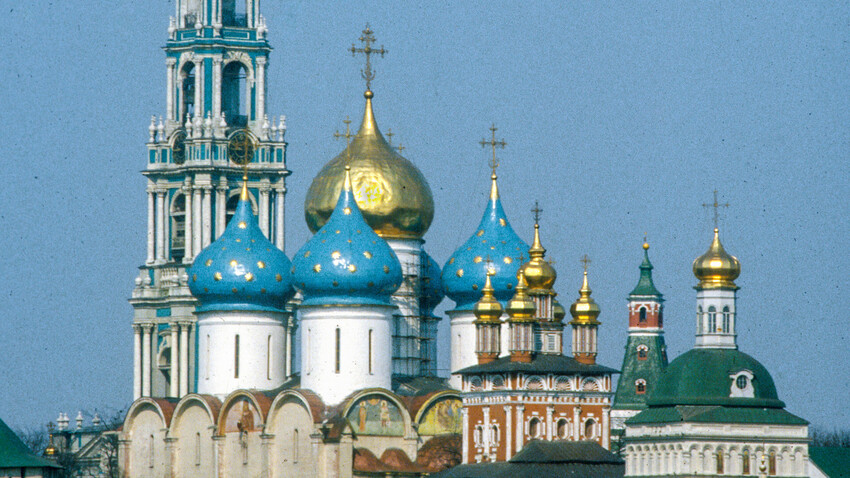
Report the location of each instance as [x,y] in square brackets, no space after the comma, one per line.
[717,269]
[539,274]
[488,310]
[390,191]
[584,310]
[521,308]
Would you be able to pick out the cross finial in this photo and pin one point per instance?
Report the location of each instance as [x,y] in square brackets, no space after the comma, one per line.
[536,211]
[347,135]
[521,258]
[390,135]
[400,147]
[716,207]
[585,261]
[367,38]
[494,163]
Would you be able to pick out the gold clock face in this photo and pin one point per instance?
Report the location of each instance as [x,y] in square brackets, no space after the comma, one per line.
[241,147]
[178,147]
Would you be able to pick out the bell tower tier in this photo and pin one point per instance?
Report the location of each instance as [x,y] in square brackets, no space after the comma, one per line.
[215,122]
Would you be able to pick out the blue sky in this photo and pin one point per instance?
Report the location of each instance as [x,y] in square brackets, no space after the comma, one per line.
[620,119]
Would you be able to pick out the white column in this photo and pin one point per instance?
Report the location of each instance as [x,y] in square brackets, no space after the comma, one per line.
[550,410]
[160,226]
[166,223]
[508,432]
[216,113]
[137,362]
[199,88]
[279,239]
[151,225]
[577,423]
[261,87]
[146,360]
[169,85]
[188,225]
[466,434]
[196,211]
[606,428]
[264,209]
[176,354]
[220,207]
[184,358]
[520,427]
[206,217]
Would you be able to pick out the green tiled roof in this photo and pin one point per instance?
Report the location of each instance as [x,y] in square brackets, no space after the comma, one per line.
[715,414]
[832,460]
[645,286]
[635,369]
[14,454]
[702,377]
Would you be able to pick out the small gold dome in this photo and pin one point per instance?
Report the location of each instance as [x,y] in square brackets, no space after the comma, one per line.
[717,269]
[584,310]
[487,309]
[521,308]
[558,311]
[539,274]
[392,193]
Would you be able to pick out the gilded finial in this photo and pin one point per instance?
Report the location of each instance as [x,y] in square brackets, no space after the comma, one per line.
[585,261]
[367,73]
[716,207]
[494,162]
[346,185]
[390,135]
[400,147]
[645,242]
[536,211]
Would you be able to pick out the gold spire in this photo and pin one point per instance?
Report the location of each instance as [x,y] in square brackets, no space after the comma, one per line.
[488,309]
[538,272]
[346,185]
[521,308]
[585,310]
[243,196]
[716,269]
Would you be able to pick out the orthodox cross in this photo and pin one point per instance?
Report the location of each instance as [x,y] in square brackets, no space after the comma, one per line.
[585,262]
[390,135]
[367,38]
[400,147]
[494,163]
[716,207]
[536,211]
[347,135]
[491,271]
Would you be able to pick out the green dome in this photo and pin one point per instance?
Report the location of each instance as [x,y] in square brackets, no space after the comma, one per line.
[710,377]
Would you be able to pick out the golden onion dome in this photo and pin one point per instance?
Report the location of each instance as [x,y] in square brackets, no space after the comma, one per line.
[487,309]
[558,311]
[717,269]
[392,193]
[584,310]
[521,308]
[539,274]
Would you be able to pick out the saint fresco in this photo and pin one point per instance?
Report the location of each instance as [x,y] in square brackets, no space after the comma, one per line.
[376,416]
[441,418]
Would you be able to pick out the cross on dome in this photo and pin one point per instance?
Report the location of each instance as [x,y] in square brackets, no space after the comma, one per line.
[716,207]
[494,163]
[367,38]
[585,261]
[536,211]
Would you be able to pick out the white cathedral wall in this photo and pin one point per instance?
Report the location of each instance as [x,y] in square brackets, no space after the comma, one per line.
[147,454]
[193,448]
[365,345]
[291,425]
[261,351]
[243,455]
[463,343]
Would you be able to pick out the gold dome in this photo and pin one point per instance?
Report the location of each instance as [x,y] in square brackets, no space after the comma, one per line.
[521,308]
[584,310]
[558,311]
[392,193]
[717,269]
[539,274]
[487,309]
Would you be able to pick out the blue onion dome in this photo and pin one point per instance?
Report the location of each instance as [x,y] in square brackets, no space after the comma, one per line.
[346,262]
[465,272]
[241,270]
[431,285]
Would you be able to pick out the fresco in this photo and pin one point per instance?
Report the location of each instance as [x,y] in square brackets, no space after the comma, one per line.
[376,416]
[442,417]
[242,417]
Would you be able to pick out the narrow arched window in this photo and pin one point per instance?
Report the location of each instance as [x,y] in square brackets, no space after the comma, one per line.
[370,351]
[178,227]
[187,91]
[699,320]
[642,316]
[197,449]
[150,452]
[295,445]
[660,317]
[234,102]
[589,429]
[534,427]
[712,319]
[337,351]
[727,319]
[562,428]
[269,358]
[642,352]
[236,357]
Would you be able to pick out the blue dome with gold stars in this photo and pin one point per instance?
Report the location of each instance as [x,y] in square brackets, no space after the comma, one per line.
[241,270]
[346,262]
[431,284]
[466,270]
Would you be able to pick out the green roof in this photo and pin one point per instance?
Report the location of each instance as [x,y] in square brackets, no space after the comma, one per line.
[645,286]
[704,377]
[14,454]
[715,414]
[634,369]
[832,460]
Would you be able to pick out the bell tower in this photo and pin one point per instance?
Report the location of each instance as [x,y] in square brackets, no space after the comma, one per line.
[215,122]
